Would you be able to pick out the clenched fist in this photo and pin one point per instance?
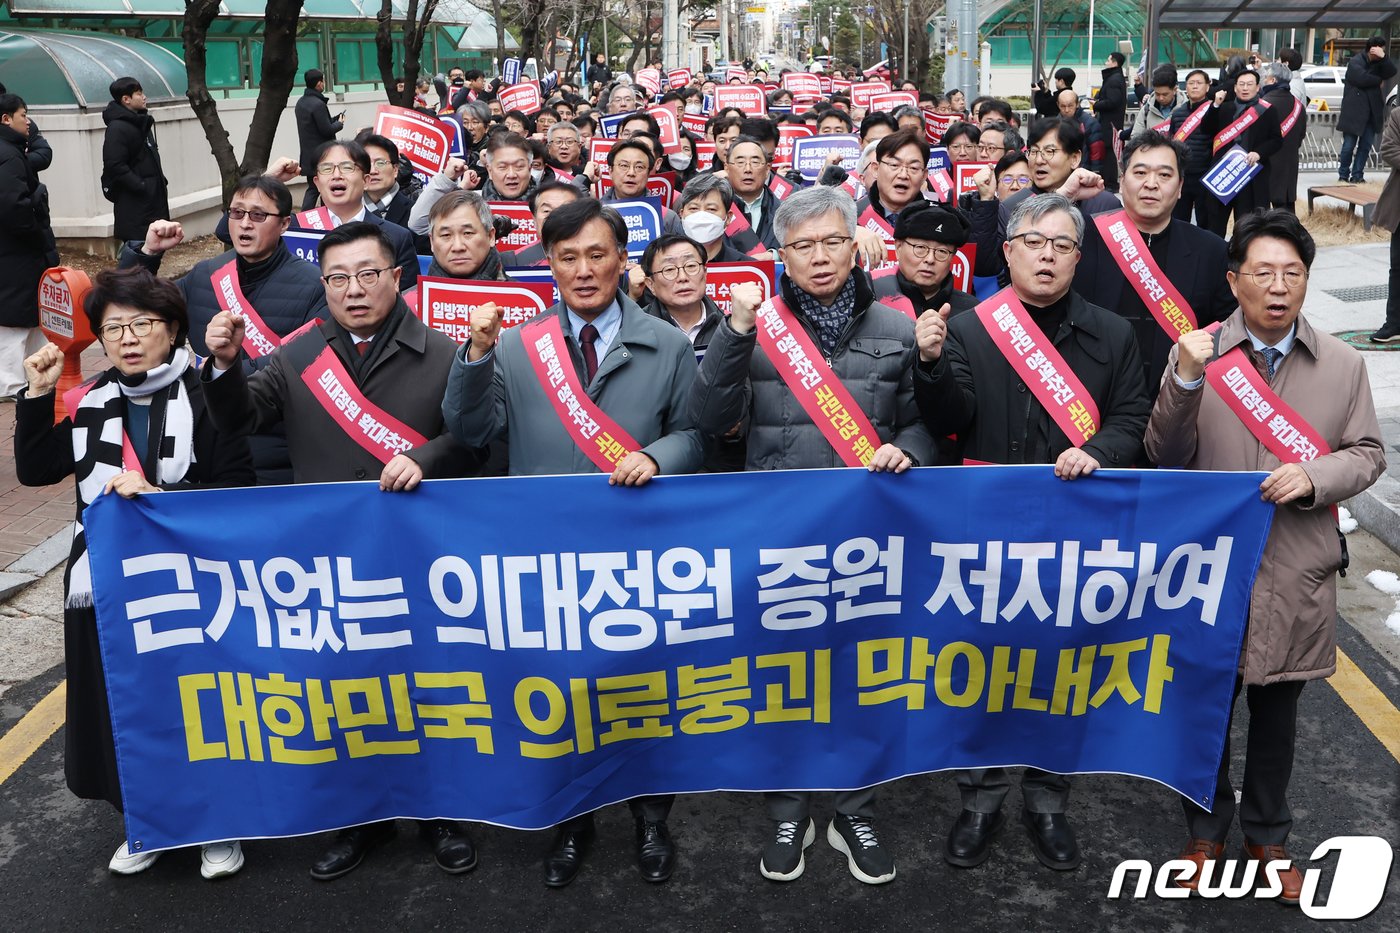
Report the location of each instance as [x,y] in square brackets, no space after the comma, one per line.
[744,301]
[162,235]
[930,330]
[42,370]
[486,327]
[224,338]
[986,181]
[284,169]
[1194,351]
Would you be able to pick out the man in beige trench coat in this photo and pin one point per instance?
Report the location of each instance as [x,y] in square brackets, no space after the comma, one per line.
[1291,633]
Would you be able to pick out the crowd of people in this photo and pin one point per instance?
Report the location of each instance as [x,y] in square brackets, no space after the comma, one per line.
[1101,328]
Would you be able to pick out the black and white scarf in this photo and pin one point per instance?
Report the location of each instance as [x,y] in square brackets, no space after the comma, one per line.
[98,429]
[830,320]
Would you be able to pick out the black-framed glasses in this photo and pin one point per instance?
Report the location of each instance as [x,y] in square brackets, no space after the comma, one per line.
[141,327]
[341,281]
[1036,241]
[921,250]
[671,273]
[237,214]
[330,168]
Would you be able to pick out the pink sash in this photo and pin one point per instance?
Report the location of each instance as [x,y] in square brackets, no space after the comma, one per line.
[822,396]
[1130,254]
[1241,123]
[366,423]
[315,219]
[1043,369]
[1292,119]
[1189,125]
[602,440]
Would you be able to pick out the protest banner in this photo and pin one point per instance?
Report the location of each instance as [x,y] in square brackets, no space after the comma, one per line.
[747,97]
[809,154]
[446,305]
[422,141]
[523,97]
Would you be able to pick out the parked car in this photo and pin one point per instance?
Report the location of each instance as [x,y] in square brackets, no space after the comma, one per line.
[1324,83]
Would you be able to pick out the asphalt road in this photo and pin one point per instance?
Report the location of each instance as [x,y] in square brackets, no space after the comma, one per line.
[54,850]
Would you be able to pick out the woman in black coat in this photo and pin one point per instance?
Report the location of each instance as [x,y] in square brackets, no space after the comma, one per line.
[169,442]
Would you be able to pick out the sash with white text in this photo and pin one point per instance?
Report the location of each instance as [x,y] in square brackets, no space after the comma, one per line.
[1273,422]
[1192,122]
[1036,361]
[259,340]
[366,423]
[820,393]
[601,439]
[316,219]
[1291,120]
[1125,244]
[1241,123]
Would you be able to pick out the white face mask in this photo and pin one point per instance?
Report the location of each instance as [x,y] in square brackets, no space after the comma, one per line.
[703,227]
[693,108]
[536,174]
[680,161]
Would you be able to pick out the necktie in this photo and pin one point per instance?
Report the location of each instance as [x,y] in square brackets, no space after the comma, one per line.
[1272,356]
[586,337]
[362,347]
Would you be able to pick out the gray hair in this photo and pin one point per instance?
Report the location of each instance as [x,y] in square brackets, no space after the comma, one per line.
[803,207]
[1009,137]
[455,199]
[701,185]
[562,126]
[1033,208]
[904,110]
[1280,72]
[477,109]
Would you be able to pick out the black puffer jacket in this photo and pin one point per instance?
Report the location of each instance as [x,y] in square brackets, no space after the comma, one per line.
[24,235]
[132,178]
[1198,144]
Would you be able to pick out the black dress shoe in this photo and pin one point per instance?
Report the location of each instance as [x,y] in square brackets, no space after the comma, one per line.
[656,852]
[349,848]
[565,856]
[970,839]
[452,850]
[1053,840]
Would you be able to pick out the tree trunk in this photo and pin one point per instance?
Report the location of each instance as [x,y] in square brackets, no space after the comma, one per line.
[279,66]
[414,31]
[500,31]
[198,15]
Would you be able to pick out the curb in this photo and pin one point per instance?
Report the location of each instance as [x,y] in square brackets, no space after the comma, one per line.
[1377,509]
[32,566]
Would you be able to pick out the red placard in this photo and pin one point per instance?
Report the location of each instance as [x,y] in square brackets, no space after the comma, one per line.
[678,77]
[889,100]
[446,305]
[721,277]
[936,124]
[873,221]
[801,83]
[694,123]
[828,84]
[63,321]
[780,187]
[666,120]
[598,149]
[649,79]
[524,233]
[788,133]
[747,97]
[963,173]
[736,74]
[961,268]
[704,153]
[523,97]
[421,139]
[863,91]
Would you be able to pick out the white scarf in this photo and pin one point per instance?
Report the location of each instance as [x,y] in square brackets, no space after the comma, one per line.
[98,436]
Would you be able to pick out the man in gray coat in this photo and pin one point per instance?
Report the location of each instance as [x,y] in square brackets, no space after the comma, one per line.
[637,370]
[870,348]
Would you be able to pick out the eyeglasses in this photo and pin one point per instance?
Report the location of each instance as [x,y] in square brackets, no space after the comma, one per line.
[749,162]
[920,250]
[1048,153]
[340,281]
[903,168]
[381,163]
[1021,180]
[1265,278]
[624,167]
[237,213]
[985,148]
[330,168]
[1036,241]
[805,248]
[141,327]
[671,273]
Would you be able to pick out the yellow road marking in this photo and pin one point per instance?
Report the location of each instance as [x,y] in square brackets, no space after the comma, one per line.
[1376,712]
[32,731]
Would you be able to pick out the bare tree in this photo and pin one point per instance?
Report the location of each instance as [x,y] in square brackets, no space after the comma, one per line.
[279,65]
[414,30]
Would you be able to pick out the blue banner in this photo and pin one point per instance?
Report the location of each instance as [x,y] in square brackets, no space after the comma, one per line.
[809,154]
[938,158]
[1230,175]
[510,71]
[286,660]
[643,219]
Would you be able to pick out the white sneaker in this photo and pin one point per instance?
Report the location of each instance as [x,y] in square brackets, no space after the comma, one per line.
[125,862]
[220,859]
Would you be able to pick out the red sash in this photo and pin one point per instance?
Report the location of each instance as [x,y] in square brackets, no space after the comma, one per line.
[366,423]
[316,219]
[942,183]
[1241,123]
[1292,119]
[822,396]
[1162,127]
[602,440]
[259,340]
[73,396]
[1130,254]
[1037,363]
[1189,125]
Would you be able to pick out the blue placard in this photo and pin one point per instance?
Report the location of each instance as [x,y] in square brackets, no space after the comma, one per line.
[607,125]
[938,158]
[458,149]
[713,632]
[423,263]
[510,71]
[643,218]
[548,83]
[1230,175]
[304,244]
[809,153]
[534,274]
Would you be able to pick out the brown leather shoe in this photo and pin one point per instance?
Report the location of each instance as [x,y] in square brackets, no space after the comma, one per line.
[1291,878]
[1198,852]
